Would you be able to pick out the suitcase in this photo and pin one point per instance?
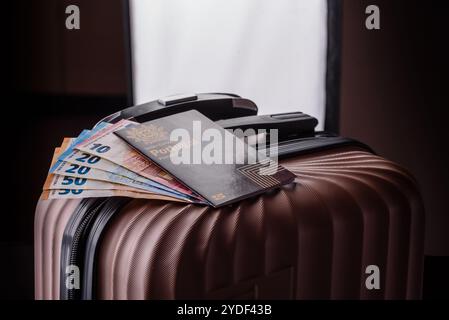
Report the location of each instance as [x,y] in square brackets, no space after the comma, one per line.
[349,211]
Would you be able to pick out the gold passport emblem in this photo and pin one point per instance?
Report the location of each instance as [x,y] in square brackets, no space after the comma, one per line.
[147,134]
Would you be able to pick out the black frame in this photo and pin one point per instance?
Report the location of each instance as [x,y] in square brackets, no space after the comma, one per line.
[128,54]
[333,71]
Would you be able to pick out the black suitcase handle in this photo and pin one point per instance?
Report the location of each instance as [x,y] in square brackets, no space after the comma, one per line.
[215,106]
[288,124]
[296,135]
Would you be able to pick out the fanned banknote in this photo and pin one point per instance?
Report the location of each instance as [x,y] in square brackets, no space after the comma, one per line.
[85,161]
[107,145]
[76,194]
[66,180]
[56,181]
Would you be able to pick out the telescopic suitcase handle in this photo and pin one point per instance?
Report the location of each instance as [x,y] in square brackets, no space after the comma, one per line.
[296,134]
[215,106]
[287,124]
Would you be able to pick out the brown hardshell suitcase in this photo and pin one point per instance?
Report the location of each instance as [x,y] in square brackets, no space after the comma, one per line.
[349,211]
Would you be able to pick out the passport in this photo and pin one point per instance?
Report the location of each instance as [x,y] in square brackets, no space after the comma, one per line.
[206,158]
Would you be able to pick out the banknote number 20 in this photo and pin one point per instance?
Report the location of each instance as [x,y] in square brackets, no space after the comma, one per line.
[100,148]
[81,170]
[89,158]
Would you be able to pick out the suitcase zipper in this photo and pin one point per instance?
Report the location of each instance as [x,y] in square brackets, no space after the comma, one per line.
[92,238]
[75,254]
[81,237]
[72,244]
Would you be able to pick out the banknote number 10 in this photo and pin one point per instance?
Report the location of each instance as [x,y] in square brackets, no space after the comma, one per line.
[100,148]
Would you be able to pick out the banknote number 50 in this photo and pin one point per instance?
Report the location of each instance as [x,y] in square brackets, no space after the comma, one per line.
[77,181]
[67,191]
[100,148]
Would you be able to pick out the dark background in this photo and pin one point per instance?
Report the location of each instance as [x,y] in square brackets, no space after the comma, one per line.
[394,97]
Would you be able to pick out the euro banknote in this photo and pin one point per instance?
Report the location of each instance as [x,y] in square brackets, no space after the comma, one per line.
[56,181]
[84,159]
[108,146]
[81,159]
[82,172]
[140,169]
[97,163]
[64,187]
[74,194]
[85,134]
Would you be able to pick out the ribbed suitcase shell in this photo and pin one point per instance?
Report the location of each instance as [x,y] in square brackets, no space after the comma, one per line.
[349,209]
[50,221]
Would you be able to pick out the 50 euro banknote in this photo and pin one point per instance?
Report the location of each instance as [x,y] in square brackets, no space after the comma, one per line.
[80,193]
[56,181]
